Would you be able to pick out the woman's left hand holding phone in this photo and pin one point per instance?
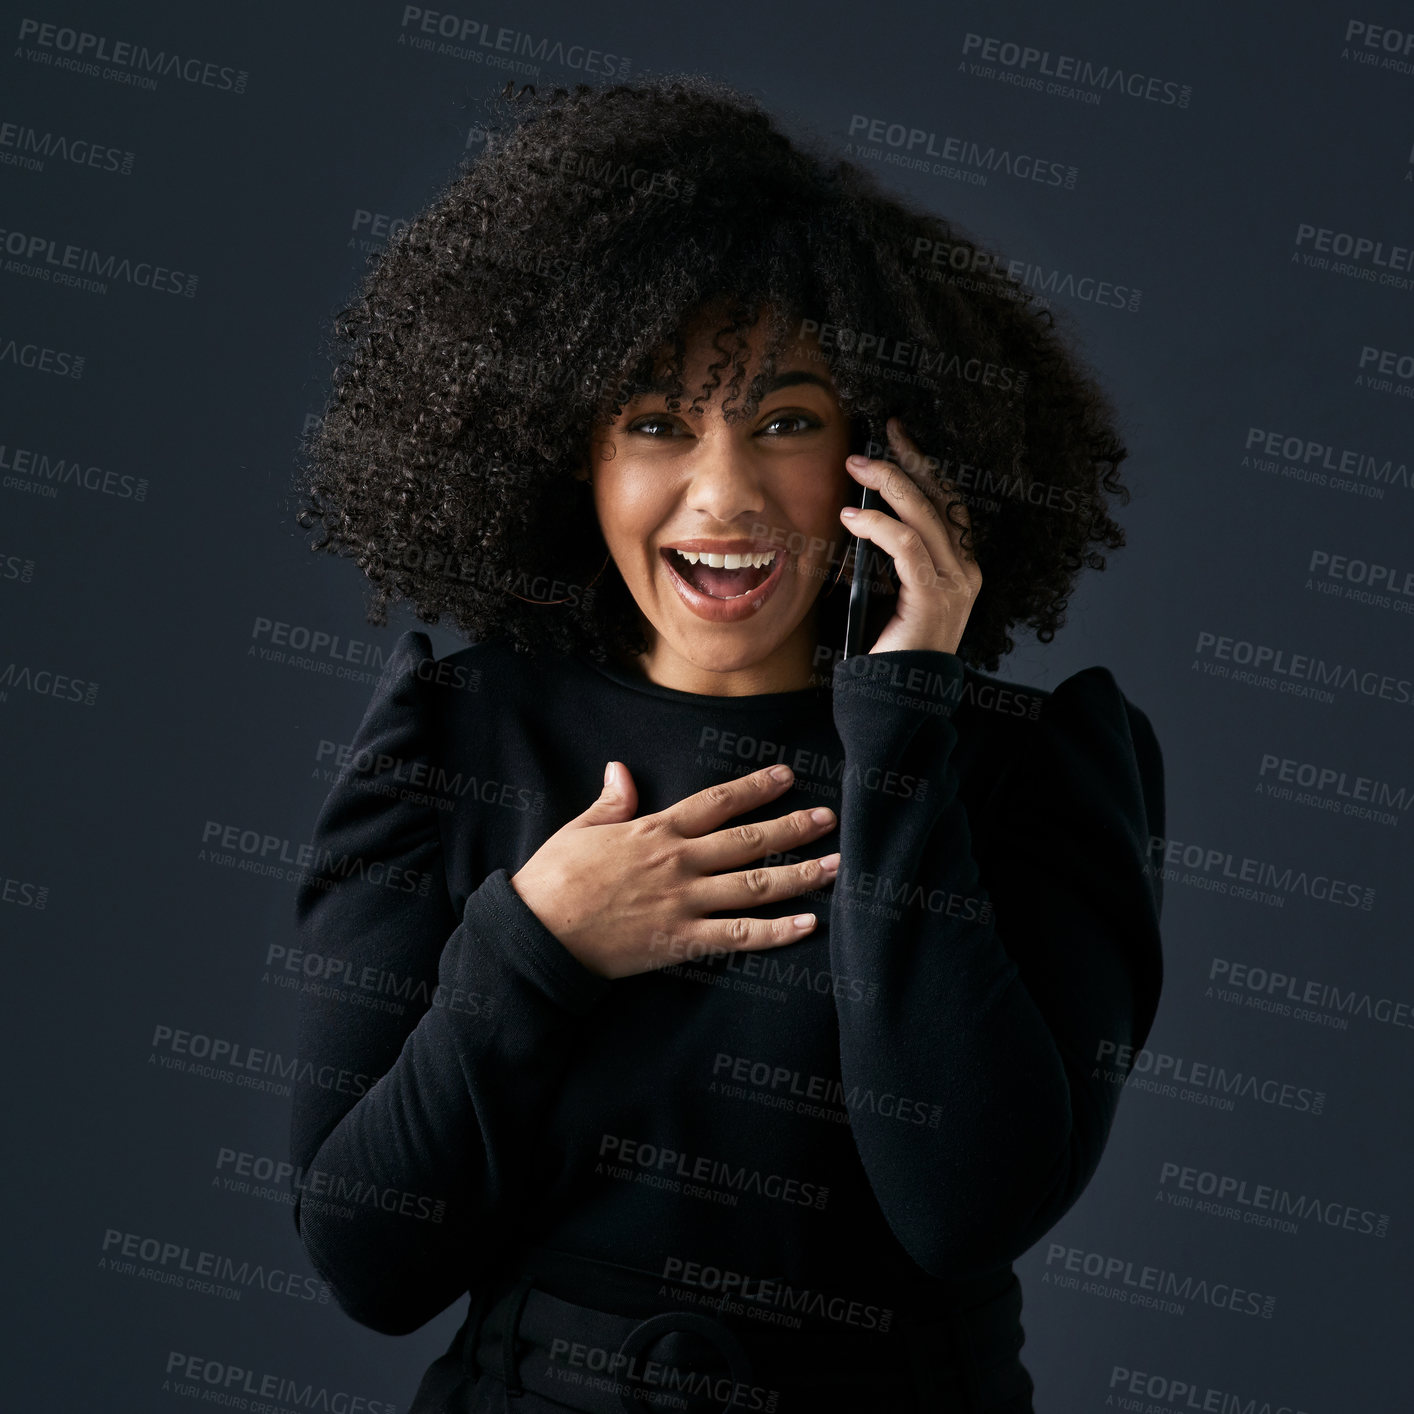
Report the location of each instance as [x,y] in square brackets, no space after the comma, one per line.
[938,579]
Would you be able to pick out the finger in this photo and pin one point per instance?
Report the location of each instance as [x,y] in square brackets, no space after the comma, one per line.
[940,491]
[722,935]
[616,802]
[913,558]
[915,508]
[748,888]
[742,844]
[694,815]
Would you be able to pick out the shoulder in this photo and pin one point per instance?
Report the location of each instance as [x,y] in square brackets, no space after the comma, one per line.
[422,692]
[1085,715]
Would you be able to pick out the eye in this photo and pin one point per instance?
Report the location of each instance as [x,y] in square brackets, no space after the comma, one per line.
[804,421]
[652,420]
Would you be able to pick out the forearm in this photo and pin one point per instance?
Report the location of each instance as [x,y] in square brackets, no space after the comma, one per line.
[434,1159]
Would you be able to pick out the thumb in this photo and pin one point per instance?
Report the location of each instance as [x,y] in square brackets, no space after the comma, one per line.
[617,801]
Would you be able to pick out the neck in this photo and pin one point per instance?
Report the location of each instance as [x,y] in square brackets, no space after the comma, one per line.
[788,668]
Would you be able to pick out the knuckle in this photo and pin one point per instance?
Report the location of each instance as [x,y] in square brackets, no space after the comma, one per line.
[661,859]
[718,794]
[750,836]
[757,880]
[739,931]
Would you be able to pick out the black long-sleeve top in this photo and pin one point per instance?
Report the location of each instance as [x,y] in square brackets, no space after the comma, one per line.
[902,1102]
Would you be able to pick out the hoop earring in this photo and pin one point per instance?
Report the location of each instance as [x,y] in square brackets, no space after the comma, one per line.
[567,597]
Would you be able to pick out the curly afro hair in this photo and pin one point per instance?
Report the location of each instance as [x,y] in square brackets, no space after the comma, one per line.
[552,279]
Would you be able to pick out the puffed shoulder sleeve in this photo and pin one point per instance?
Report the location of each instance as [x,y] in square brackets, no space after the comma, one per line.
[1013,940]
[430,1042]
[1082,798]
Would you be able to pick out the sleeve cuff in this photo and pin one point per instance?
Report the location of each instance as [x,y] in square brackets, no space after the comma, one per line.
[496,913]
[912,683]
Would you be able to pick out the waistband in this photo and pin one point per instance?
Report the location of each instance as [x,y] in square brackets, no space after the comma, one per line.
[604,1338]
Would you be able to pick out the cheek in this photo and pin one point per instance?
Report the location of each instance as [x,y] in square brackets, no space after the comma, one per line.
[626,499]
[831,489]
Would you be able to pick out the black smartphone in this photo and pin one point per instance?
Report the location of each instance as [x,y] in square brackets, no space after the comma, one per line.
[874,583]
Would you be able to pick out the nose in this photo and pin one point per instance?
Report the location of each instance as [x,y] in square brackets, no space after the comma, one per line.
[725,480]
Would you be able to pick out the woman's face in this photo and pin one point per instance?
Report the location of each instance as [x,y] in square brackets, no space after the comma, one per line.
[770,486]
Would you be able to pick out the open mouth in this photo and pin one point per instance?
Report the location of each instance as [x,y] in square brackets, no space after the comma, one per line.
[722,576]
[724,588]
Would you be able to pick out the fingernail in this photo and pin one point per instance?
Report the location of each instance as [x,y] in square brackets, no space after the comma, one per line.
[830,862]
[803,920]
[780,773]
[608,773]
[849,512]
[821,816]
[855,459]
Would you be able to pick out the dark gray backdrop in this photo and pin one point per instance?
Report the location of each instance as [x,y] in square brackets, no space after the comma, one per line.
[1234,256]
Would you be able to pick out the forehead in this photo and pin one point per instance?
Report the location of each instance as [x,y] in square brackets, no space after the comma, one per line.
[799,361]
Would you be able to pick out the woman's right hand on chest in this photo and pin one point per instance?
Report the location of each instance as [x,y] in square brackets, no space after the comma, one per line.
[628,895]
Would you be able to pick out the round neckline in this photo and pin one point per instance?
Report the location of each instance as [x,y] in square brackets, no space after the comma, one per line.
[795,696]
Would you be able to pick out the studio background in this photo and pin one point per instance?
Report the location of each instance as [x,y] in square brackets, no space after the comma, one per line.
[1230,244]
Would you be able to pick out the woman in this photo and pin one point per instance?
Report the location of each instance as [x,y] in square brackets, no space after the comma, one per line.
[715,1085]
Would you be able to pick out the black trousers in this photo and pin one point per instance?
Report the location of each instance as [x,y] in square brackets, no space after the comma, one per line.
[564,1333]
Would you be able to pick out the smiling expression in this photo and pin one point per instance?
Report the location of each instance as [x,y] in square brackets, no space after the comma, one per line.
[682,497]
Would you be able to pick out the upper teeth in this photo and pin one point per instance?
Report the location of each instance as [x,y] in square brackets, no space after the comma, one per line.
[728,562]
